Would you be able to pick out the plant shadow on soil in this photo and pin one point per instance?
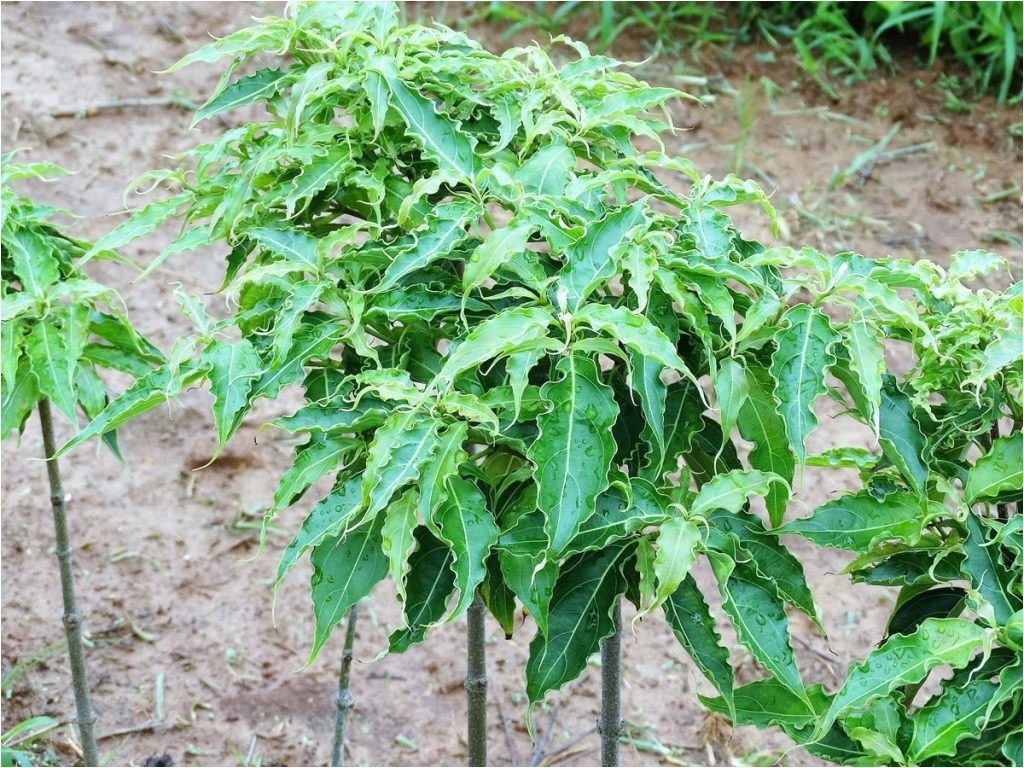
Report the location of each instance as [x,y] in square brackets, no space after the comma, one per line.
[167,565]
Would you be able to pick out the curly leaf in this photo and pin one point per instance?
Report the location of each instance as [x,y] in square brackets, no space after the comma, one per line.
[580,618]
[53,360]
[430,583]
[259,86]
[466,525]
[440,137]
[591,260]
[400,449]
[345,569]
[857,521]
[233,370]
[513,330]
[770,558]
[678,542]
[140,223]
[397,539]
[446,229]
[900,436]
[999,471]
[314,459]
[760,423]
[731,490]
[325,519]
[499,246]
[905,660]
[635,332]
[759,617]
[803,354]
[694,626]
[987,571]
[574,449]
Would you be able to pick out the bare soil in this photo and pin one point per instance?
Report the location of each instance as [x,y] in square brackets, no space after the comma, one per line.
[172,582]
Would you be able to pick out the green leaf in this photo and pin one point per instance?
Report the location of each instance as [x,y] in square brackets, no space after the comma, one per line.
[760,423]
[731,392]
[429,585]
[189,240]
[547,171]
[690,619]
[764,703]
[440,137]
[635,332]
[731,491]
[803,354]
[233,370]
[319,174]
[311,340]
[53,360]
[616,517]
[466,525]
[400,449]
[955,714]
[770,558]
[531,577]
[302,298]
[499,599]
[140,223]
[900,437]
[34,263]
[10,352]
[292,245]
[580,618]
[905,660]
[574,449]
[592,259]
[999,471]
[327,518]
[260,86]
[376,88]
[513,330]
[984,566]
[145,393]
[19,400]
[397,538]
[518,367]
[683,421]
[499,246]
[345,569]
[759,617]
[273,36]
[867,362]
[856,521]
[446,229]
[678,542]
[316,458]
[443,464]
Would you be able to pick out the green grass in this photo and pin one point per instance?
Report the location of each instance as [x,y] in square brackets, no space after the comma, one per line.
[834,42]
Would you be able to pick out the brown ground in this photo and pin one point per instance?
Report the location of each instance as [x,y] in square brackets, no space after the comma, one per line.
[167,564]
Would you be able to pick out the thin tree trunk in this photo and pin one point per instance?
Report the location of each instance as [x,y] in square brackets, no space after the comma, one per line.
[476,683]
[610,724]
[72,618]
[344,700]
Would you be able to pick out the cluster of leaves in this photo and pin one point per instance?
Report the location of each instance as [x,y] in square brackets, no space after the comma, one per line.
[529,360]
[934,520]
[58,326]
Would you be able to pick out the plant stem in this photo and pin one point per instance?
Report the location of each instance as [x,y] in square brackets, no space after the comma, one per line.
[344,700]
[476,683]
[72,618]
[610,724]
